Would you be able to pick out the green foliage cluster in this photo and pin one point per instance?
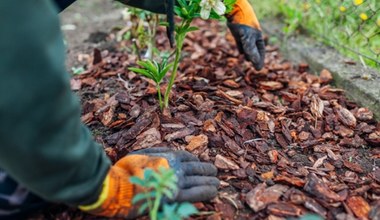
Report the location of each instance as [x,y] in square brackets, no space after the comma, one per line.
[156,186]
[311,217]
[142,30]
[351,26]
[187,11]
[154,71]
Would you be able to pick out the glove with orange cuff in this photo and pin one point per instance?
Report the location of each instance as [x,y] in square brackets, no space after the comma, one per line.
[196,181]
[245,28]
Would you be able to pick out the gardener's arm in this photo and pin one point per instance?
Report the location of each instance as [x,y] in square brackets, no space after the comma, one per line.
[43,144]
[150,5]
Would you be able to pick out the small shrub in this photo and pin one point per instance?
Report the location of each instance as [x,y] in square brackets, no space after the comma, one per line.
[157,186]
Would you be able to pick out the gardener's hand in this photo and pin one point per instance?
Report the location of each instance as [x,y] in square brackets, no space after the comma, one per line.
[196,181]
[245,27]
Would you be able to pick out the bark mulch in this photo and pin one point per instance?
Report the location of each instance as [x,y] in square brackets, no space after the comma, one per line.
[285,142]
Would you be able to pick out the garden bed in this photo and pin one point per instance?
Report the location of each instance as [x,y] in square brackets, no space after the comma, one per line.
[284,141]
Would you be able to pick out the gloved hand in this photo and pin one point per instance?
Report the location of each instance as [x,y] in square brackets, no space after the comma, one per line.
[196,181]
[245,28]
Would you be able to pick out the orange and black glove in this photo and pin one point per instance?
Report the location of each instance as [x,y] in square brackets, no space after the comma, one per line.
[196,181]
[245,28]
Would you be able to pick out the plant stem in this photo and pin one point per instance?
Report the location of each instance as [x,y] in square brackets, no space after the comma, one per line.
[172,76]
[149,201]
[181,34]
[156,205]
[159,96]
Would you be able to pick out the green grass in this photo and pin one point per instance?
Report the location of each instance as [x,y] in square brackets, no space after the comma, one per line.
[351,26]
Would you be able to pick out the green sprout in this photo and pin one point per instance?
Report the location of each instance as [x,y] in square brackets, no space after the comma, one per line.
[77,70]
[154,71]
[158,186]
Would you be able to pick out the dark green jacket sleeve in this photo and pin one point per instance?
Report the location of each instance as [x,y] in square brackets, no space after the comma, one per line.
[43,144]
[157,6]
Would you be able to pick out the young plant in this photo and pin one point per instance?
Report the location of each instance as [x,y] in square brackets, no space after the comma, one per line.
[157,186]
[142,30]
[154,71]
[187,10]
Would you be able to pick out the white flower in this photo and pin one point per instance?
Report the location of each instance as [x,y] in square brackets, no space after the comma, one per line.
[207,5]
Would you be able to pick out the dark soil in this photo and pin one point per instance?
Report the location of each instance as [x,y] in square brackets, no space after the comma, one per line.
[285,142]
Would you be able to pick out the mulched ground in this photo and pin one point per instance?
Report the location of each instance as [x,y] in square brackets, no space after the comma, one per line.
[285,142]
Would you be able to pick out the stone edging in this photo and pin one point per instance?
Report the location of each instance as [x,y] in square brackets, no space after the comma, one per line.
[301,48]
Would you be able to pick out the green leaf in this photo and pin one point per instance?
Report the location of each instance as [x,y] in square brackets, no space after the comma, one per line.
[170,209]
[143,207]
[164,72]
[77,70]
[172,185]
[168,193]
[229,5]
[139,197]
[147,64]
[192,28]
[164,23]
[157,66]
[157,177]
[142,72]
[186,209]
[177,11]
[138,70]
[137,181]
[148,173]
[182,3]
